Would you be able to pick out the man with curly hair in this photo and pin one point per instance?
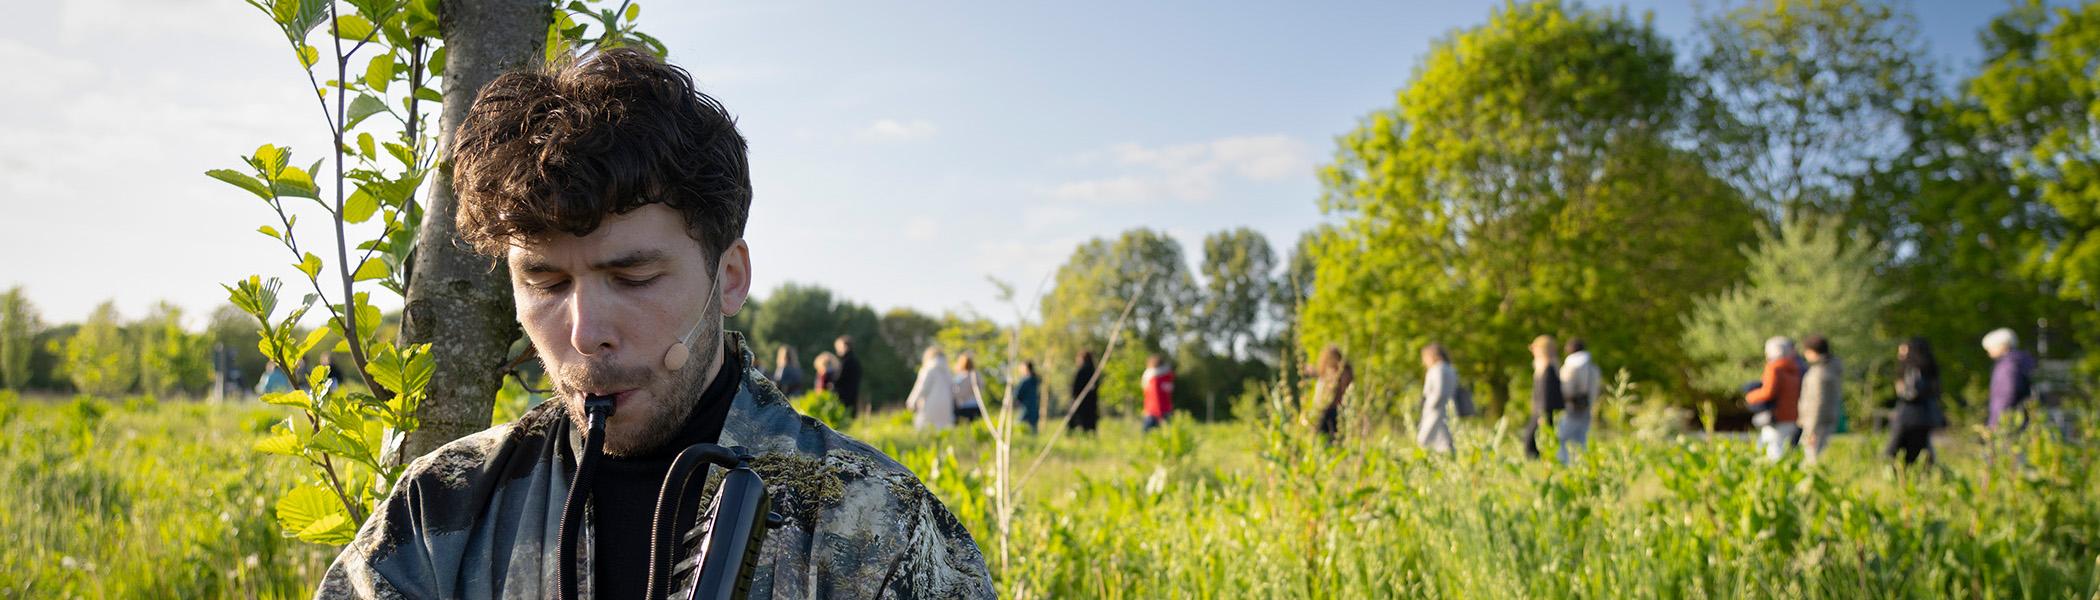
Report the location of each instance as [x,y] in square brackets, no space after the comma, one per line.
[618,194]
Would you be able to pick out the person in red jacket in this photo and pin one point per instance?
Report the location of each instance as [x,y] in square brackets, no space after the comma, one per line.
[1159,391]
[1776,399]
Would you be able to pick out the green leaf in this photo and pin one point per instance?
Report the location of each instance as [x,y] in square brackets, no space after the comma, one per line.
[634,11]
[423,18]
[366,147]
[436,63]
[283,442]
[241,180]
[352,27]
[310,265]
[300,16]
[294,182]
[359,207]
[304,505]
[380,72]
[313,338]
[308,56]
[271,160]
[270,231]
[429,95]
[372,268]
[290,398]
[334,530]
[365,105]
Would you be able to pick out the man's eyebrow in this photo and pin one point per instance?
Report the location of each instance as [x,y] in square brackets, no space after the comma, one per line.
[630,260]
[537,266]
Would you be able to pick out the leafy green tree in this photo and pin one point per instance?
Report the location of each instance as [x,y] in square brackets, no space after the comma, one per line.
[171,359]
[19,325]
[1143,270]
[1798,99]
[1236,286]
[1807,279]
[909,331]
[2037,90]
[1525,183]
[99,359]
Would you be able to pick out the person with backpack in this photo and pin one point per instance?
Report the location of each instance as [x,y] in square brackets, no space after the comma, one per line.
[1776,399]
[1580,382]
[1917,400]
[1439,395]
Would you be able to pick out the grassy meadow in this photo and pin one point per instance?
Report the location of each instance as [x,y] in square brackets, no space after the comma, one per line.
[165,499]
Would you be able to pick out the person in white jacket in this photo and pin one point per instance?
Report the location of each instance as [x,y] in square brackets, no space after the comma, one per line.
[932,399]
[1439,395]
[1580,383]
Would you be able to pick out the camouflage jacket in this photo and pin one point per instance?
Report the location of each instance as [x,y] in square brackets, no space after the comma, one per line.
[479,518]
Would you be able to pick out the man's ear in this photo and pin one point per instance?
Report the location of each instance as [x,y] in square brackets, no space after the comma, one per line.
[733,277]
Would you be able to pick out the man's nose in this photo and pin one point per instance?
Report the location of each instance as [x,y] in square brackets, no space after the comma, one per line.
[591,327]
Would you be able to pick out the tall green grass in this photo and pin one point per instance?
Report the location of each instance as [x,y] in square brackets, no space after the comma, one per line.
[1178,514]
[144,499]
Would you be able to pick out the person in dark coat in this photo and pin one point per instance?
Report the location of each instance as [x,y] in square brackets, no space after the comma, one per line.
[1917,401]
[1086,404]
[1028,393]
[1545,392]
[849,375]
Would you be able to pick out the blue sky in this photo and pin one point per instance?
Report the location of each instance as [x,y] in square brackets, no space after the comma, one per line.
[901,152]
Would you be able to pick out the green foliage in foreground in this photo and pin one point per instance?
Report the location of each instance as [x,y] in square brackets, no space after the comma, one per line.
[165,500]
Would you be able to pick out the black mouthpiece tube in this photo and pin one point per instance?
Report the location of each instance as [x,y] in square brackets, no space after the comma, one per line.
[596,410]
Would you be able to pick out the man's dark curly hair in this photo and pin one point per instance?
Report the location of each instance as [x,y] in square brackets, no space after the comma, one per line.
[557,151]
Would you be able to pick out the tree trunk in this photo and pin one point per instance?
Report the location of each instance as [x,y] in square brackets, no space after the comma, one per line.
[459,302]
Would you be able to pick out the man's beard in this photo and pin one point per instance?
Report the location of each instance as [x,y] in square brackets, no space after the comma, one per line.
[641,427]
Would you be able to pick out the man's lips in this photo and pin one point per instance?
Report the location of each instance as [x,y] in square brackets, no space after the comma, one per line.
[619,396]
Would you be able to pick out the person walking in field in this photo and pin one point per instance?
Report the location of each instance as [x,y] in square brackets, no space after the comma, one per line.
[1028,392]
[1546,398]
[1580,382]
[1439,397]
[932,399]
[1822,397]
[1158,382]
[967,407]
[2012,383]
[1086,398]
[1334,377]
[1917,402]
[1776,400]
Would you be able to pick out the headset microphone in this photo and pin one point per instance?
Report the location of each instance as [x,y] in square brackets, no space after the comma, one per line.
[674,358]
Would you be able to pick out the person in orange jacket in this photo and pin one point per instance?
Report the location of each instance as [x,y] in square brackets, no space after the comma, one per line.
[1776,400]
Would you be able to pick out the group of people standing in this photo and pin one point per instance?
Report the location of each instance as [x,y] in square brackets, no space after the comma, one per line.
[942,396]
[1800,397]
[837,372]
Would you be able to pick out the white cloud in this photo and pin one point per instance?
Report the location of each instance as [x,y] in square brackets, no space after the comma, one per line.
[1191,172]
[921,229]
[892,130]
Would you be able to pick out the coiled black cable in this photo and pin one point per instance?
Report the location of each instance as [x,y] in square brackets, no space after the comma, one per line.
[678,508]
